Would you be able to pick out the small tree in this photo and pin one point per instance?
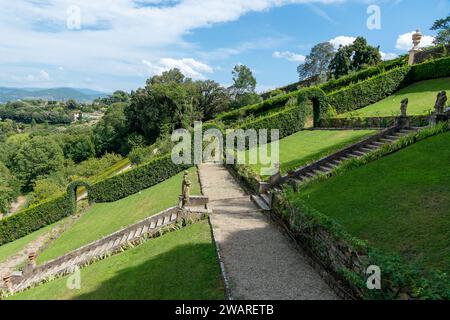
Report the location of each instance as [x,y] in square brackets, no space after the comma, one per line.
[443,28]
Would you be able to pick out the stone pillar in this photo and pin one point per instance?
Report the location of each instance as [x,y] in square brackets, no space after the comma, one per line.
[403,121]
[7,281]
[186,187]
[416,37]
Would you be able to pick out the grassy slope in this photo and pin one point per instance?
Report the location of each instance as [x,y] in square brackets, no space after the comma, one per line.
[105,218]
[399,203]
[306,146]
[179,265]
[421,95]
[12,248]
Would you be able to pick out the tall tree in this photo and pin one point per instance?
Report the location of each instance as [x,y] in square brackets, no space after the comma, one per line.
[243,80]
[354,57]
[9,188]
[443,28]
[213,98]
[111,131]
[243,88]
[37,158]
[317,62]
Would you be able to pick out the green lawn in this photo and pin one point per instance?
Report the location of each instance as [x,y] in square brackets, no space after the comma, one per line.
[179,265]
[421,95]
[12,248]
[400,203]
[105,218]
[306,146]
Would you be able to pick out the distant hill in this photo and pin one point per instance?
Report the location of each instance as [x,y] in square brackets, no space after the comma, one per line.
[58,94]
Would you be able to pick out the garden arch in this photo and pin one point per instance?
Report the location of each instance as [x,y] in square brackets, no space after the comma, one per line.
[73,188]
[319,103]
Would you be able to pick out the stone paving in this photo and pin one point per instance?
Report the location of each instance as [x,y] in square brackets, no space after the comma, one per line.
[259,261]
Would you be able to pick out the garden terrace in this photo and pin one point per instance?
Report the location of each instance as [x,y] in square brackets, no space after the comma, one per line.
[309,145]
[104,218]
[403,210]
[179,265]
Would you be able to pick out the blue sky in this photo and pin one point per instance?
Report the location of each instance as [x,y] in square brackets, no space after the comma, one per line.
[120,43]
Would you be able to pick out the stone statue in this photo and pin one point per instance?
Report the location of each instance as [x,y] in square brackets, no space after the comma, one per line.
[441,100]
[186,185]
[403,107]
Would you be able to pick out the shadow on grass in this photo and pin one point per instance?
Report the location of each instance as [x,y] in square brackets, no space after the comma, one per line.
[185,272]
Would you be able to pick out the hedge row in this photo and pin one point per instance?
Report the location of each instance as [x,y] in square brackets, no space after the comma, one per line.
[135,180]
[256,109]
[108,190]
[337,84]
[34,218]
[369,91]
[433,69]
[374,89]
[292,119]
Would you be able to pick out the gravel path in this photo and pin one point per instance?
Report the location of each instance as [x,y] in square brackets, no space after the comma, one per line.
[259,261]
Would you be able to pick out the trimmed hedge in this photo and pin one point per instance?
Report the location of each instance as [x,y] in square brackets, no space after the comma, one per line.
[256,109]
[369,91]
[292,119]
[432,69]
[374,89]
[135,180]
[34,218]
[337,84]
[108,190]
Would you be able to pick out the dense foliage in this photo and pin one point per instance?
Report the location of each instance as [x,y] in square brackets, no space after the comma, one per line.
[25,112]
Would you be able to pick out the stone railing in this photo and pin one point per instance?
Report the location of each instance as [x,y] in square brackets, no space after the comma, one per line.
[335,156]
[106,246]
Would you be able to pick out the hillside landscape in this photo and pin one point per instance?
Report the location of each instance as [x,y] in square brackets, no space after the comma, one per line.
[333,187]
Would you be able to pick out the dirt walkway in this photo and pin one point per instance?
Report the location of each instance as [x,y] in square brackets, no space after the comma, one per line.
[259,261]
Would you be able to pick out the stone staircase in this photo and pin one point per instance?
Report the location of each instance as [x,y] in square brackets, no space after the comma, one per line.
[329,163]
[104,247]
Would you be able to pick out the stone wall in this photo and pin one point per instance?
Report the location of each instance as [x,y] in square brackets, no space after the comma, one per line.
[335,253]
[371,122]
[433,53]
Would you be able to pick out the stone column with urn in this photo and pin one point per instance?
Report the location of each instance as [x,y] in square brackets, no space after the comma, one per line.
[416,37]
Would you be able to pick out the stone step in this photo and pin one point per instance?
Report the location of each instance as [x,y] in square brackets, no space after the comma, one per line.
[257,199]
[377,143]
[266,198]
[359,153]
[386,140]
[366,149]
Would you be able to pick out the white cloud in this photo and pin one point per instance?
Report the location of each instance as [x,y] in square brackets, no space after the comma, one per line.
[388,56]
[342,41]
[188,66]
[113,38]
[289,56]
[405,43]
[44,75]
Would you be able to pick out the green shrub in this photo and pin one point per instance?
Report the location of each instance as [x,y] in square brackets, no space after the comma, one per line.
[34,218]
[337,84]
[369,91]
[292,119]
[432,69]
[135,180]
